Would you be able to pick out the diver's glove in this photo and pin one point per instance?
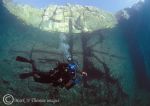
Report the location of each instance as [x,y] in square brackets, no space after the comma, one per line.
[84,73]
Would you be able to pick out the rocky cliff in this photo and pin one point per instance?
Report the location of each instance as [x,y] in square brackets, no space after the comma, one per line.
[57,18]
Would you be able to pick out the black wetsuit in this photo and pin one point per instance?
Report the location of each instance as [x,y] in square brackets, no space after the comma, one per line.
[59,76]
[61,71]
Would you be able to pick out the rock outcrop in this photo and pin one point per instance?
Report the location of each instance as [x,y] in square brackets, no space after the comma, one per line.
[57,18]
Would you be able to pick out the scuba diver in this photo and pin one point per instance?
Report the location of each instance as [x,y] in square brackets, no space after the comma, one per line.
[64,75]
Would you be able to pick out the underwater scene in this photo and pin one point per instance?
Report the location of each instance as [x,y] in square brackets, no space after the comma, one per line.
[74,53]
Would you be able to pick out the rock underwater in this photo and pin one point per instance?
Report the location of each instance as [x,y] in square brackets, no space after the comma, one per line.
[56,18]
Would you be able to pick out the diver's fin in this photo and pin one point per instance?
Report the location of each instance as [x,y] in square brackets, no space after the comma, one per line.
[25,75]
[22,59]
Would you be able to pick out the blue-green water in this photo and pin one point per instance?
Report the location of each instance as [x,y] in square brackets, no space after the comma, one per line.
[117,61]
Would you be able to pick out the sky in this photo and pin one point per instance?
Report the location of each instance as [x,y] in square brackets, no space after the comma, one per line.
[108,5]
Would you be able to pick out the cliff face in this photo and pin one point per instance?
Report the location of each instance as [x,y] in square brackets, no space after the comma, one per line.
[56,18]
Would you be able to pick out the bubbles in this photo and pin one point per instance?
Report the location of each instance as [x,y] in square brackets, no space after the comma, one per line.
[64,46]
